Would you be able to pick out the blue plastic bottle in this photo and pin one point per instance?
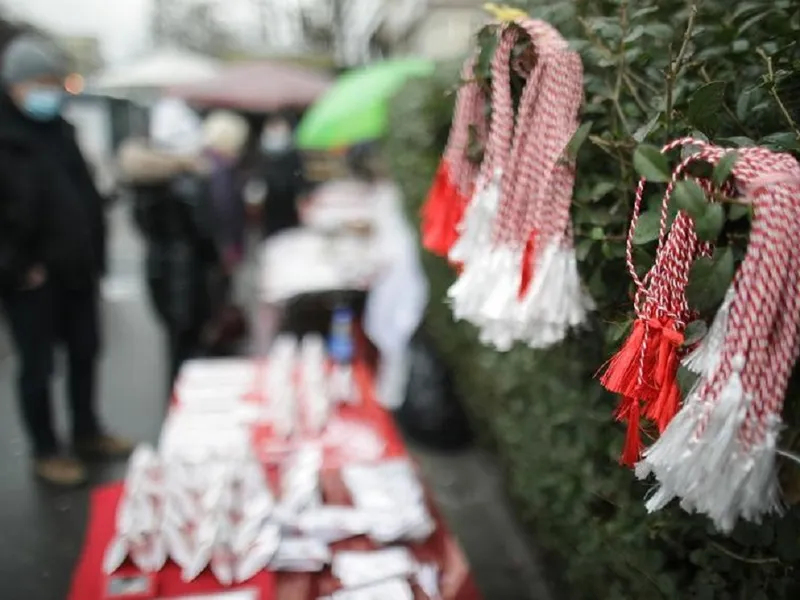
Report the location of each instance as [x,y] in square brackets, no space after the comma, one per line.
[341,347]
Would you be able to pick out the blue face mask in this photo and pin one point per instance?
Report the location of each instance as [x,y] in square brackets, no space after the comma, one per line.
[43,104]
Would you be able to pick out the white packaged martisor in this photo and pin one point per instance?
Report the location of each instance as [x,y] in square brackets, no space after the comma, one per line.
[394,589]
[300,482]
[427,578]
[331,524]
[357,569]
[258,555]
[301,555]
[392,493]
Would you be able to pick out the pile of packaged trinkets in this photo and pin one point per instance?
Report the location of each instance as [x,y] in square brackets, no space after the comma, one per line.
[203,499]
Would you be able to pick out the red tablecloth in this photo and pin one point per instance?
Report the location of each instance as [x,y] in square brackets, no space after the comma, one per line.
[457,584]
[89,582]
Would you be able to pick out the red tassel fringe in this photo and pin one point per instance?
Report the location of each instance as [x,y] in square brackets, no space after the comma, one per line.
[527,265]
[649,378]
[663,408]
[632,451]
[442,213]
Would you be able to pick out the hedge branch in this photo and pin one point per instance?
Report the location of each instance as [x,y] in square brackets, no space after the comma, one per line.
[752,561]
[773,90]
[676,64]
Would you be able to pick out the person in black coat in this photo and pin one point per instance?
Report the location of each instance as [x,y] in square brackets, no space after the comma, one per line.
[278,172]
[52,255]
[173,211]
[187,209]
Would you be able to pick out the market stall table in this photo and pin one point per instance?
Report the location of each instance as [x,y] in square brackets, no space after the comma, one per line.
[456,583]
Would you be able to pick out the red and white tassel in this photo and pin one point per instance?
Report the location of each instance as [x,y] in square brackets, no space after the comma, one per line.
[519,279]
[718,455]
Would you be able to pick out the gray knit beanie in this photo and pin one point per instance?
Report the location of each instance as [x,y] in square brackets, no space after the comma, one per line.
[31,56]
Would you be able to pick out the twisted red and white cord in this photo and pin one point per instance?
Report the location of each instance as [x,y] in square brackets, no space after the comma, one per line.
[718,454]
[455,178]
[520,279]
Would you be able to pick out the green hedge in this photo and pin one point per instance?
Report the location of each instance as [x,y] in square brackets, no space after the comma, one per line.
[547,418]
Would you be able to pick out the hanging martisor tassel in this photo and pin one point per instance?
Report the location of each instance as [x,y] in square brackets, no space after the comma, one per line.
[718,454]
[475,248]
[644,372]
[520,279]
[455,177]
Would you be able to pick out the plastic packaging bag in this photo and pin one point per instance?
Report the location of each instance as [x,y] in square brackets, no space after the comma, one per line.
[357,569]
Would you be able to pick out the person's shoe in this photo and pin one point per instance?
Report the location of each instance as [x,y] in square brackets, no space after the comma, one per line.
[104,447]
[62,471]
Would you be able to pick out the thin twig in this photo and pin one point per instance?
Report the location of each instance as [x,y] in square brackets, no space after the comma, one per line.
[752,561]
[773,88]
[623,23]
[635,94]
[676,63]
[643,82]
[789,455]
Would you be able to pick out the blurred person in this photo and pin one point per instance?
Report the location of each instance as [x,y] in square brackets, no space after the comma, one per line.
[179,179]
[277,178]
[52,256]
[224,137]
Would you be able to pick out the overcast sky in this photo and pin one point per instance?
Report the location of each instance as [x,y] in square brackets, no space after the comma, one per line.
[121,25]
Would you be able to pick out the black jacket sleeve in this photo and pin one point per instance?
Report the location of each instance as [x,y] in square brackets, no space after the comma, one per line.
[19,222]
[96,203]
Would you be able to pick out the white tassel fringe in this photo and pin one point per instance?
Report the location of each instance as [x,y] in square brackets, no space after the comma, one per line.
[556,300]
[486,292]
[714,474]
[705,358]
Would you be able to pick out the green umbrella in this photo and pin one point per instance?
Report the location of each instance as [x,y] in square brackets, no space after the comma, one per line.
[355,108]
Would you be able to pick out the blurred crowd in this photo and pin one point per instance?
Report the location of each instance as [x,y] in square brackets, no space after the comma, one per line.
[189,183]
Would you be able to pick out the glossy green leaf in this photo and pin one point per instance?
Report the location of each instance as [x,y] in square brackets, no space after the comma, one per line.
[695,331]
[645,130]
[690,198]
[618,331]
[724,168]
[659,30]
[651,163]
[709,225]
[686,380]
[738,211]
[743,104]
[705,106]
[709,280]
[602,189]
[583,248]
[647,228]
[577,141]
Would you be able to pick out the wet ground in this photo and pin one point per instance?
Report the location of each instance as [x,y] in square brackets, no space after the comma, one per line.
[41,529]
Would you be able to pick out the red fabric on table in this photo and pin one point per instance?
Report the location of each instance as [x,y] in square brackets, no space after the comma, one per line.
[456,580]
[88,581]
[442,549]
